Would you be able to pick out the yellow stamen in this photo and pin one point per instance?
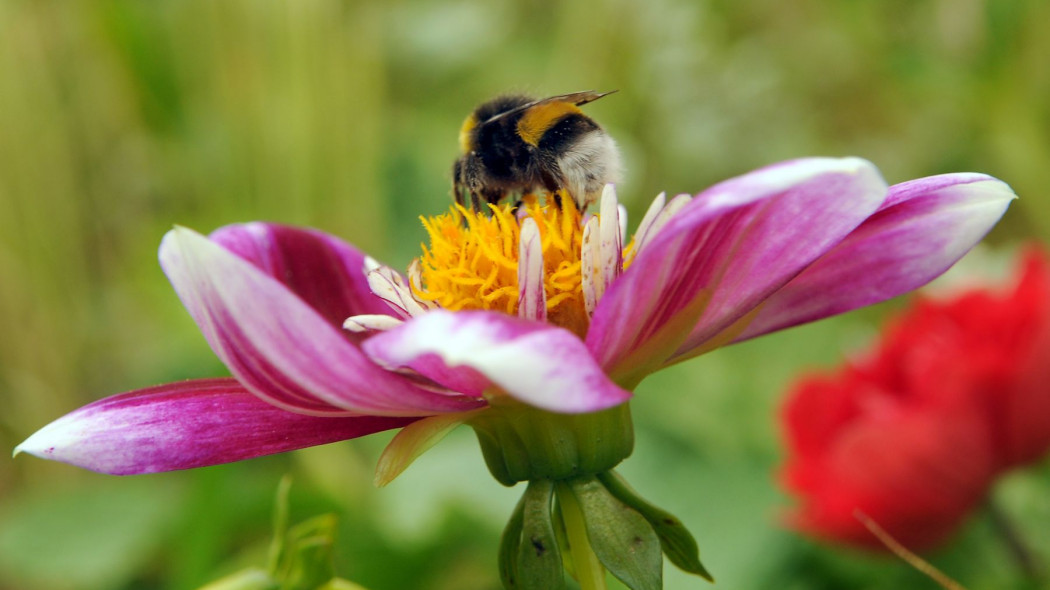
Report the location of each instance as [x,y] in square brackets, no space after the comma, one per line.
[472,260]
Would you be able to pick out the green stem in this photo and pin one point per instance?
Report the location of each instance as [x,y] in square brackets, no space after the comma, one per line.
[589,571]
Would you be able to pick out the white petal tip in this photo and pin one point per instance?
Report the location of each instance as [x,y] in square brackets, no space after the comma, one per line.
[181,232]
[34,445]
[853,163]
[996,188]
[370,322]
[351,325]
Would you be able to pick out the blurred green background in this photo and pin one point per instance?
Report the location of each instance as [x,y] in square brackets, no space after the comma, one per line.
[120,118]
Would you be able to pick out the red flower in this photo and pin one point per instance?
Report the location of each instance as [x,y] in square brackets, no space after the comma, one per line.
[913,436]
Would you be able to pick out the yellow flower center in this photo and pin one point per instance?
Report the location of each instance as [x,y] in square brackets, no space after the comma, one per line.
[472,260]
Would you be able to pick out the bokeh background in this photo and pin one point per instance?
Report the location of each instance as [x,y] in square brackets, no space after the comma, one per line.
[119,118]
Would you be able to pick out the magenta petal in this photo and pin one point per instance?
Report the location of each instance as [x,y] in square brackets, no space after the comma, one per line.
[324,271]
[185,425]
[924,227]
[279,347]
[723,253]
[539,364]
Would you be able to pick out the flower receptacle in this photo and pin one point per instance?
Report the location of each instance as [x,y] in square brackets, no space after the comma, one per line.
[524,443]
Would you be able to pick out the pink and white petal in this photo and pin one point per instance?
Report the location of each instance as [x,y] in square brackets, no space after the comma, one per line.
[324,271]
[463,380]
[610,245]
[415,281]
[649,218]
[279,347]
[391,287]
[924,227]
[590,266]
[660,218]
[371,322]
[723,254]
[532,297]
[186,425]
[539,364]
[622,217]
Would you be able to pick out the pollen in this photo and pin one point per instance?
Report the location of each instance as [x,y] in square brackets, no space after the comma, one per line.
[472,260]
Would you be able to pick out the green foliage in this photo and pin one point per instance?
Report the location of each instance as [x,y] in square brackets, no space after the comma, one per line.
[623,541]
[94,535]
[676,541]
[119,118]
[529,553]
[300,556]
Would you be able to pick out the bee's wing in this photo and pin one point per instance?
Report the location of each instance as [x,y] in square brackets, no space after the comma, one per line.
[577,98]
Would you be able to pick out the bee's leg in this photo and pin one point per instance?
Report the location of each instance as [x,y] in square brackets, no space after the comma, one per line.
[516,199]
[491,195]
[553,187]
[457,183]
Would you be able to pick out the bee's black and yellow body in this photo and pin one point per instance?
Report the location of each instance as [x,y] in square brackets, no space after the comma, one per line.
[513,145]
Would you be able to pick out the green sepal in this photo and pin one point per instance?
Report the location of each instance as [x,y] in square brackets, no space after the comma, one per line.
[539,559]
[508,547]
[677,542]
[523,443]
[620,537]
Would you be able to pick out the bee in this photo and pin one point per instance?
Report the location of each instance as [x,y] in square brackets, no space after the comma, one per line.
[514,145]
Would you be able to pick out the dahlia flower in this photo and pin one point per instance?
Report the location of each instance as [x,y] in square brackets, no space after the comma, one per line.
[532,325]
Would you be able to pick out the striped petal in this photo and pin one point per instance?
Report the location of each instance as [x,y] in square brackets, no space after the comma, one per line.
[278,346]
[532,298]
[325,272]
[186,425]
[923,228]
[723,253]
[539,364]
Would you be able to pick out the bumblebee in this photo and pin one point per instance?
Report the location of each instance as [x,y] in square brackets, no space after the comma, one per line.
[514,145]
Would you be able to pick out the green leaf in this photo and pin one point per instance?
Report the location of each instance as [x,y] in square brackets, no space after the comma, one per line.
[677,542]
[280,524]
[539,559]
[622,539]
[509,545]
[300,556]
[310,546]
